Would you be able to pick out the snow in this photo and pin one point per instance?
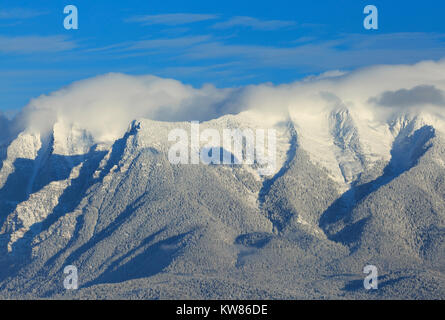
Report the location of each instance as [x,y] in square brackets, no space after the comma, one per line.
[25,146]
[37,208]
[345,141]
[154,134]
[71,139]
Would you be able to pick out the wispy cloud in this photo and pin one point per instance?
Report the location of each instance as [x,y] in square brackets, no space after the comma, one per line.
[20,13]
[172,19]
[346,51]
[154,44]
[253,23]
[180,42]
[34,44]
[310,56]
[184,71]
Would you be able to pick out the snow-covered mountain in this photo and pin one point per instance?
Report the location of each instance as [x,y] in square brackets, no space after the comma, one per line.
[351,188]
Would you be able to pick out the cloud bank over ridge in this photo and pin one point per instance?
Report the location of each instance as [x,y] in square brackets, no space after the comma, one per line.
[105,105]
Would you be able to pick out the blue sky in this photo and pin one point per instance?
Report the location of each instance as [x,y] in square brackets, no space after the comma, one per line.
[227,43]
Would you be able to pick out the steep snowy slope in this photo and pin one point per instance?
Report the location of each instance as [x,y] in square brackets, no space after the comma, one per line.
[398,218]
[342,142]
[123,211]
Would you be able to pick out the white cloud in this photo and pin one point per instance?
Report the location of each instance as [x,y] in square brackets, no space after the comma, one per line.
[105,105]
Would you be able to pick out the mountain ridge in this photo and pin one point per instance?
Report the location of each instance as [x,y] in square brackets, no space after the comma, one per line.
[121,211]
